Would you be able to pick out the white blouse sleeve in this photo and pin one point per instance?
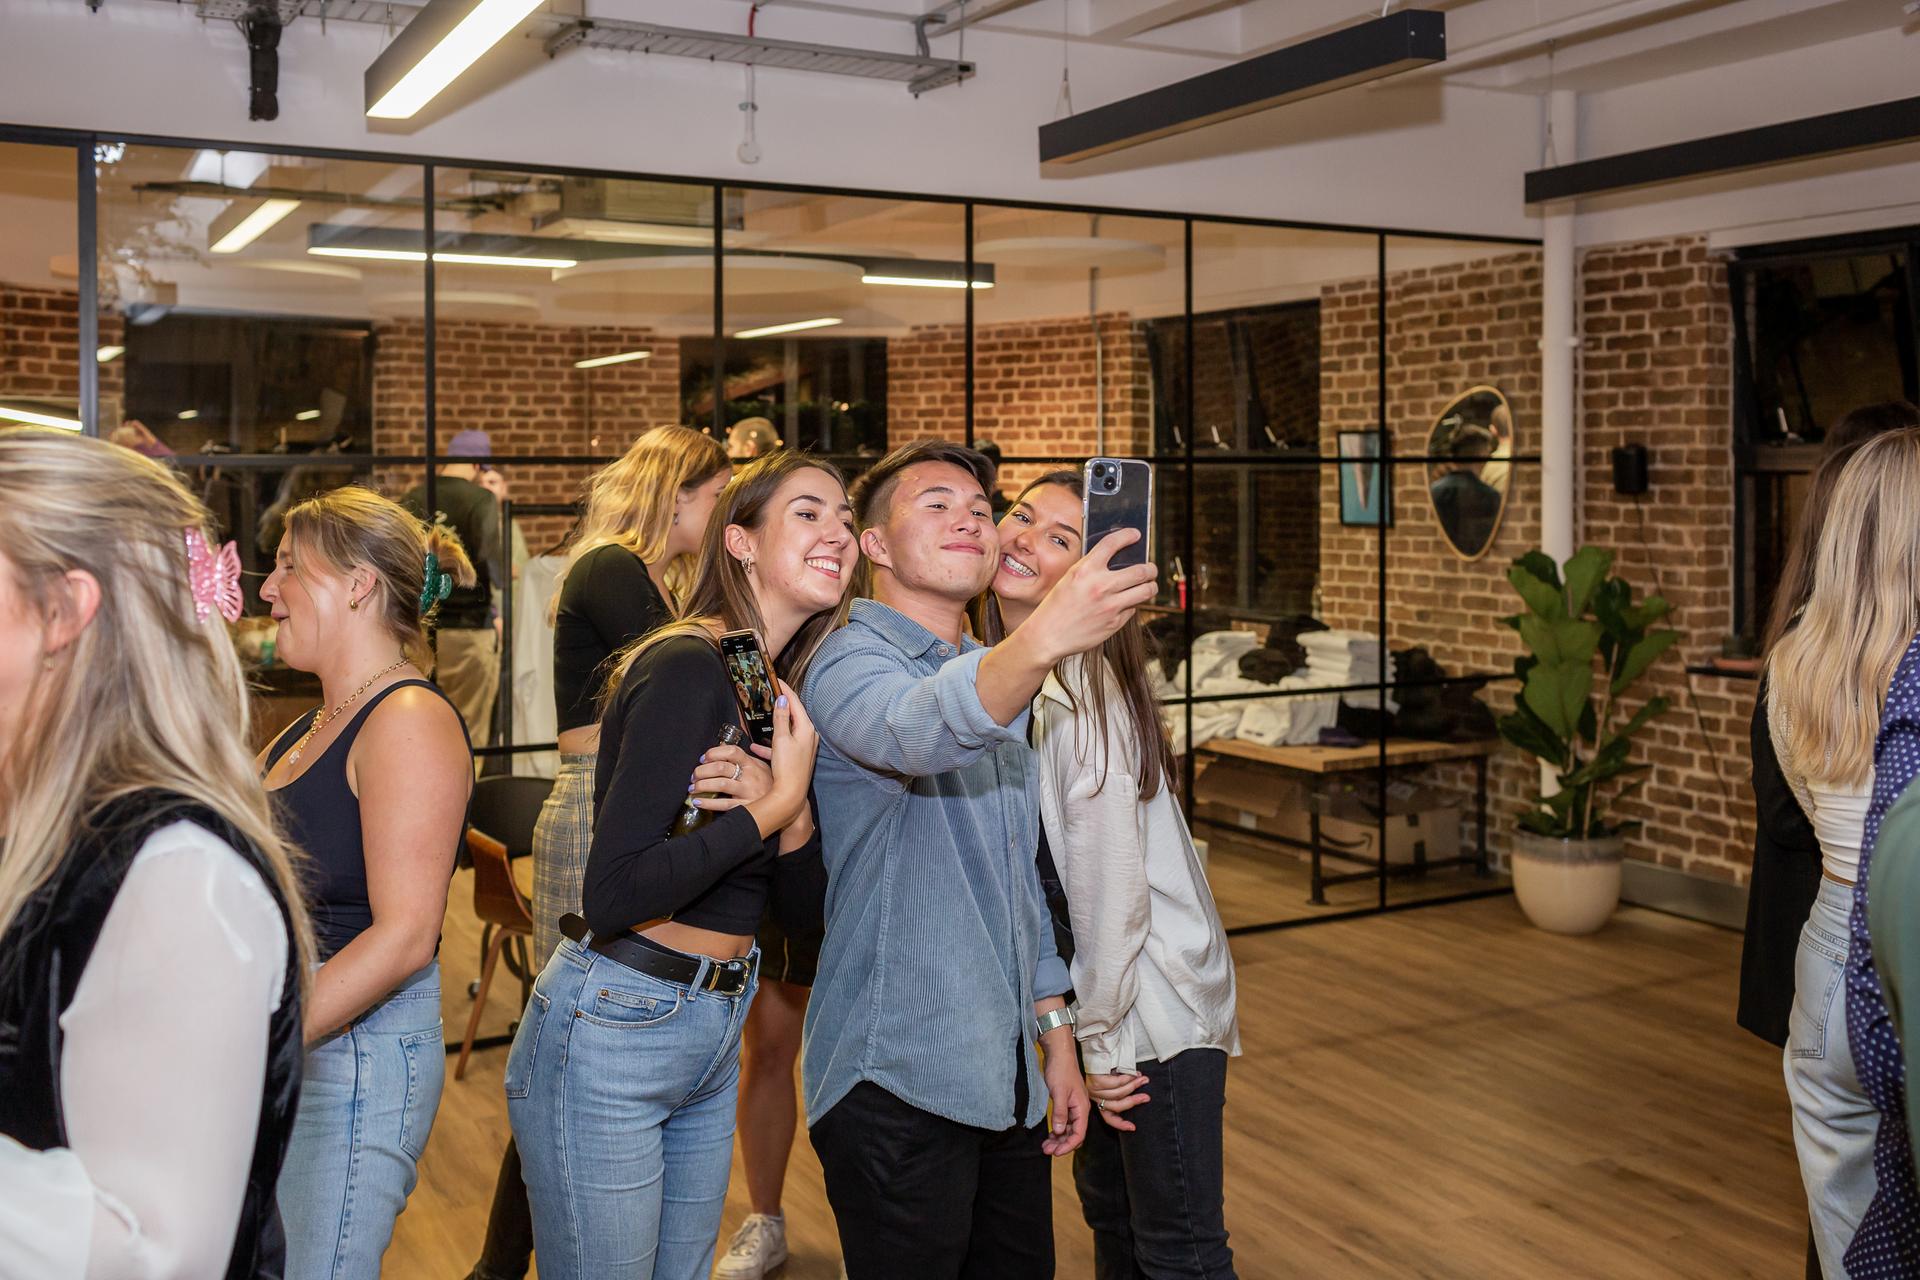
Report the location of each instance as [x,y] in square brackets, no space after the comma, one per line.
[161,1077]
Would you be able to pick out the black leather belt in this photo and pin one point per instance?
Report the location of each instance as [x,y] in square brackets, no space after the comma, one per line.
[724,977]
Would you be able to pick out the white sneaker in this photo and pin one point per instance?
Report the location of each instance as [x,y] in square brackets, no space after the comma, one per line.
[758,1249]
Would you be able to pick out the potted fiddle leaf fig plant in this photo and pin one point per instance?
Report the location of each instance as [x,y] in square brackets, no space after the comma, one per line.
[1587,644]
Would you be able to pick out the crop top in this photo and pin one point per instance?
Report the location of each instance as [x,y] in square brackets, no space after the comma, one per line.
[608,601]
[668,712]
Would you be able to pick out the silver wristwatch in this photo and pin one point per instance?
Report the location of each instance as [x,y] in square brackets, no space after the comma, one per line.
[1062,1017]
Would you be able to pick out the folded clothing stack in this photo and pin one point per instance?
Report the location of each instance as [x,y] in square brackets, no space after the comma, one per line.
[1336,658]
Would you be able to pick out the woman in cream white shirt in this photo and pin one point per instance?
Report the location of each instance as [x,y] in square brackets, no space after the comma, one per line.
[1152,975]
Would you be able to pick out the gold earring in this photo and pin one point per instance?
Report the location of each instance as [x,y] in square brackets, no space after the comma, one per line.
[353,605]
[747,564]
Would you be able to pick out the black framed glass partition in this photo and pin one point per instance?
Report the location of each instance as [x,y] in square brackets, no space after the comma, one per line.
[308,318]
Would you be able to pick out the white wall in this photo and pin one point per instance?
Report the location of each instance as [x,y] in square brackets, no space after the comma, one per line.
[1430,157]
[1872,189]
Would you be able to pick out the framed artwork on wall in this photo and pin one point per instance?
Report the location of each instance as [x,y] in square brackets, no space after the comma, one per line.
[1364,499]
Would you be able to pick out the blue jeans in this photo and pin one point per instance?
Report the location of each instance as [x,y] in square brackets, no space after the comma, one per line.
[621,1091]
[367,1101]
[1834,1121]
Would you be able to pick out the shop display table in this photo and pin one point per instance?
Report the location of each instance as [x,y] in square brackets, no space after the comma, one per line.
[1315,764]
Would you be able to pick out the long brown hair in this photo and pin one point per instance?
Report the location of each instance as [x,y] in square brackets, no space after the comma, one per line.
[1790,593]
[630,500]
[147,696]
[354,525]
[1115,673]
[721,597]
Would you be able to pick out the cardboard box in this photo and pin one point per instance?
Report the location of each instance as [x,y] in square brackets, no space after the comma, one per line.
[1434,831]
[1252,797]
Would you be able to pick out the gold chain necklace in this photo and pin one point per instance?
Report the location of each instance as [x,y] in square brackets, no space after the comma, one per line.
[293,756]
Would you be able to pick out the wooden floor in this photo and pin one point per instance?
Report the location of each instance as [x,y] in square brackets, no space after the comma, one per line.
[1257,882]
[1434,1093]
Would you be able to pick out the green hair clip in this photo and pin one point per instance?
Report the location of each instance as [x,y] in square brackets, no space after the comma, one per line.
[436,587]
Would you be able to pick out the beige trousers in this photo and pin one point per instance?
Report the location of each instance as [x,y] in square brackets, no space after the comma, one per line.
[468,672]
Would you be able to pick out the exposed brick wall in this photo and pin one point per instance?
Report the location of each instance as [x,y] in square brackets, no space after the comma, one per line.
[40,350]
[517,383]
[1448,328]
[1034,388]
[1657,370]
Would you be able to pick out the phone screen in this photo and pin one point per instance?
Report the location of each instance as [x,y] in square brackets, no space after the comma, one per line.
[752,674]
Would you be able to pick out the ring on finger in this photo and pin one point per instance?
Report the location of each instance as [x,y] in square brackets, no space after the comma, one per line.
[736,774]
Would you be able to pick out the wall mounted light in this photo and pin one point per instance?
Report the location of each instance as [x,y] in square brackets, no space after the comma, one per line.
[233,230]
[187,415]
[306,415]
[622,357]
[443,39]
[795,326]
[108,354]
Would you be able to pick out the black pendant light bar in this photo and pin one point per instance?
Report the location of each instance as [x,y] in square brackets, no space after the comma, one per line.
[1859,129]
[1353,55]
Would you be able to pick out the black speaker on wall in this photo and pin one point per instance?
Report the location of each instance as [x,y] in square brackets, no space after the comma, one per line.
[1630,470]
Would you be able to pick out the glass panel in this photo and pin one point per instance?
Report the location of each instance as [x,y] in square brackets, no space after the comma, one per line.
[562,306]
[1827,334]
[1463,377]
[1066,359]
[845,319]
[246,325]
[39,296]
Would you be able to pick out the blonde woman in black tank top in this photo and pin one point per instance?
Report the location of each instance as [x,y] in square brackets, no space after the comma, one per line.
[375,784]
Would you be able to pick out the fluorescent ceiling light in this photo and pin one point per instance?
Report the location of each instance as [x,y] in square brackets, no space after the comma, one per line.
[306,415]
[28,416]
[924,282]
[417,255]
[443,40]
[264,217]
[187,415]
[621,358]
[794,327]
[498,260]
[106,355]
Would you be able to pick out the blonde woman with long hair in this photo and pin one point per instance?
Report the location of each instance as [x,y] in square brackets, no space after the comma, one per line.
[1827,682]
[148,909]
[373,784]
[622,1079]
[632,553]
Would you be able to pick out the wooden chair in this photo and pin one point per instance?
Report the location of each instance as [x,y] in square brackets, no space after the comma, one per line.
[500,905]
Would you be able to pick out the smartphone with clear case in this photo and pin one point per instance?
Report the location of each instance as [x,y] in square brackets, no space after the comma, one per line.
[1117,493]
[752,675]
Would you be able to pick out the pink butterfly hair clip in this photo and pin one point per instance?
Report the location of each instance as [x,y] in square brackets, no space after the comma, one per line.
[214,577]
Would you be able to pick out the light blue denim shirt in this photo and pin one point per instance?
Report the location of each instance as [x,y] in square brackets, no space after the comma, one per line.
[938,940]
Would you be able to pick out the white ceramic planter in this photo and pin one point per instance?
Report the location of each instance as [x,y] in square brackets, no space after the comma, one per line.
[1567,886]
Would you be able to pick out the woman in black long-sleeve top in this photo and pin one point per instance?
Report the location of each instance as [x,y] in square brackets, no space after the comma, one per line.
[622,1078]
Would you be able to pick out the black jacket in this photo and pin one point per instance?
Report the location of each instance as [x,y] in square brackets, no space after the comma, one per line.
[1786,879]
[474,516]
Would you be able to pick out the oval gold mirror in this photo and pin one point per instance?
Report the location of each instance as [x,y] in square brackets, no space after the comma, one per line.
[1468,469]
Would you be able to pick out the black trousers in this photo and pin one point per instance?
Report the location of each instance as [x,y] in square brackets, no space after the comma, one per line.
[1153,1196]
[509,1246]
[915,1194]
